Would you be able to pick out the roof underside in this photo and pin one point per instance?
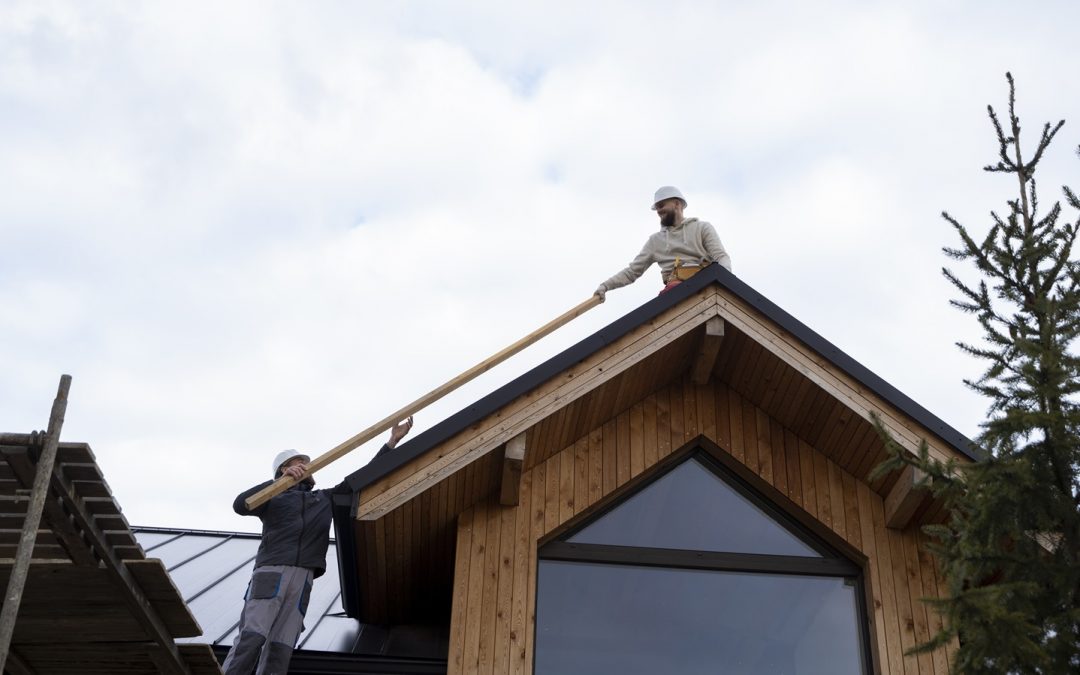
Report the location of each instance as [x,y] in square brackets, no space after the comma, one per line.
[406,551]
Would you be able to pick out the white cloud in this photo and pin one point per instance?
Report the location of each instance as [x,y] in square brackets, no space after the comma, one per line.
[245,227]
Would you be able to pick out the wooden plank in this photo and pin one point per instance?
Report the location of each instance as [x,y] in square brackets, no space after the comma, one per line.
[490,595]
[918,607]
[807,475]
[764,445]
[772,382]
[779,456]
[474,614]
[663,423]
[581,475]
[706,408]
[709,347]
[903,598]
[750,436]
[546,399]
[821,486]
[551,494]
[610,440]
[536,534]
[904,498]
[382,577]
[649,433]
[505,574]
[931,589]
[459,613]
[637,441]
[513,459]
[735,422]
[836,499]
[622,448]
[853,526]
[596,465]
[723,419]
[883,557]
[164,596]
[396,535]
[690,411]
[677,424]
[566,484]
[791,458]
[879,642]
[939,589]
[524,545]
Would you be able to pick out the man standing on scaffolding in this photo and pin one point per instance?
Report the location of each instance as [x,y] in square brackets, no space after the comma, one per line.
[681,247]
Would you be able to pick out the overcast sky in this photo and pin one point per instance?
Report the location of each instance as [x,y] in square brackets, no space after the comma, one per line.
[243,227]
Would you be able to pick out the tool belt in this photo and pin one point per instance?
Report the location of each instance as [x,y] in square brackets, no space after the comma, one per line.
[684,272]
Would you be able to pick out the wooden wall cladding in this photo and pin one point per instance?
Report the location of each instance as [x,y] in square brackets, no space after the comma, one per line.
[496,549]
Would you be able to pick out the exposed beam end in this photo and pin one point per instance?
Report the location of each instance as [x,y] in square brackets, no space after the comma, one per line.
[702,368]
[904,498]
[513,459]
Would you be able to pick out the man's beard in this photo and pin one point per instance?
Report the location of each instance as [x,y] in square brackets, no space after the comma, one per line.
[667,219]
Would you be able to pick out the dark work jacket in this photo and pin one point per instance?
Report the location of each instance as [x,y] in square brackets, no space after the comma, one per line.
[295,525]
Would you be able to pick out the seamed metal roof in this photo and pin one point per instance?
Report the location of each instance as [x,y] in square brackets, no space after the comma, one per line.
[212,568]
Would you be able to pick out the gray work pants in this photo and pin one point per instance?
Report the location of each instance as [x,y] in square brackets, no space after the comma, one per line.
[272,620]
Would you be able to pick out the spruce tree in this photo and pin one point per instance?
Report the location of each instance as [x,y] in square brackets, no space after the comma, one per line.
[1010,549]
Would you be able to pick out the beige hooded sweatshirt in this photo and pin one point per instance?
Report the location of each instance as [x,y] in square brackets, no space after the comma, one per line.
[693,242]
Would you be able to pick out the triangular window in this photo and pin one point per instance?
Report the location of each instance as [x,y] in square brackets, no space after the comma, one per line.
[691,507]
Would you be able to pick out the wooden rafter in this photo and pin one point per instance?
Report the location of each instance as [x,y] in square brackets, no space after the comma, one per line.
[701,370]
[904,498]
[513,458]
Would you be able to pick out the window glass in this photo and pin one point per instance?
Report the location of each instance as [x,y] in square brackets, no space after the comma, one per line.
[692,508]
[623,620]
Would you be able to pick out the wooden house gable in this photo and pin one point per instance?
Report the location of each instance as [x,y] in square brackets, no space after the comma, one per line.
[448,530]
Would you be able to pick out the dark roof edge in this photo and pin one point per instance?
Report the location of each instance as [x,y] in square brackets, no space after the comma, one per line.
[388,462]
[838,358]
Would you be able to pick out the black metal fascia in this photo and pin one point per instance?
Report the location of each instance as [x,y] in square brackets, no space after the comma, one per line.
[343,507]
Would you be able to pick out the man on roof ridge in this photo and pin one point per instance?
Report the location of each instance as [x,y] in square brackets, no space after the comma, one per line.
[681,247]
[292,553]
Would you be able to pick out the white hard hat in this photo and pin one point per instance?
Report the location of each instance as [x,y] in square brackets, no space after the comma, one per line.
[286,455]
[667,192]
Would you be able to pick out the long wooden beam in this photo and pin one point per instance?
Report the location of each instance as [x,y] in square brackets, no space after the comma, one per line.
[285,482]
[499,428]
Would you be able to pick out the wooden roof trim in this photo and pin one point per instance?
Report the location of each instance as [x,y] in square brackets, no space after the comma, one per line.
[837,383]
[380,467]
[517,416]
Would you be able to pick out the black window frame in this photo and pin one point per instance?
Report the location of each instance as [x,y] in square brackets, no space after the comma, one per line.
[833,563]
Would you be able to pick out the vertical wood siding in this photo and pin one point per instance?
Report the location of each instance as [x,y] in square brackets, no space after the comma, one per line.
[494,604]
